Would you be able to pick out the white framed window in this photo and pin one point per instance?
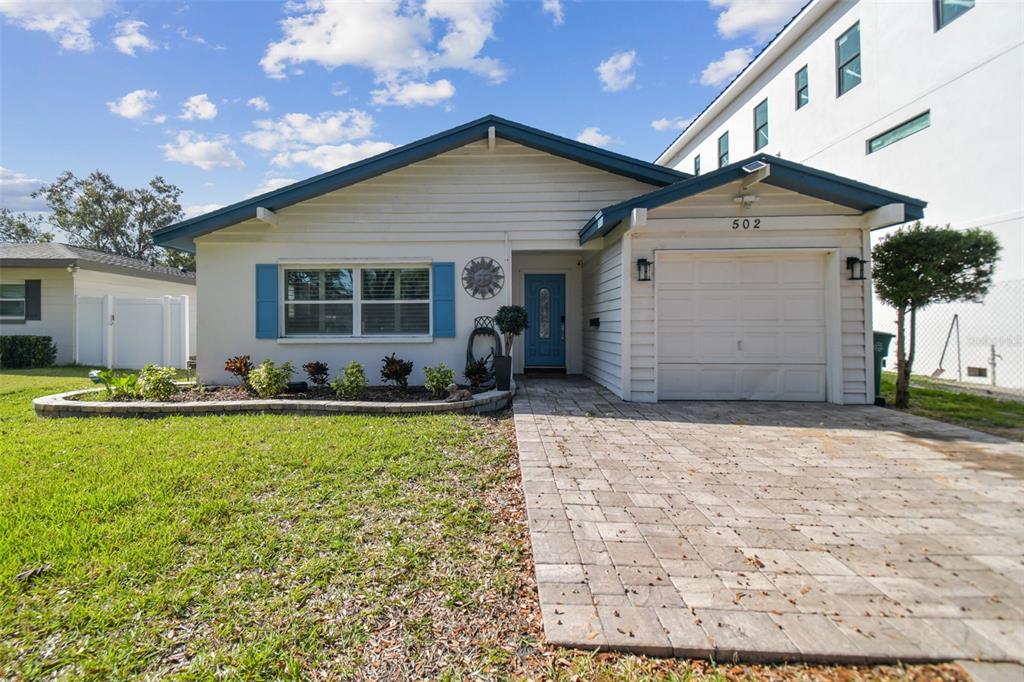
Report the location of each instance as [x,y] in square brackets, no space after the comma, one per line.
[12,301]
[356,300]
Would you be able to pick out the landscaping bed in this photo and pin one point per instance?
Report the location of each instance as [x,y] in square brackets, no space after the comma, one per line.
[193,393]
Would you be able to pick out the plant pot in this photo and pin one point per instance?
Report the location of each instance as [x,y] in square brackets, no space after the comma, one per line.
[503,372]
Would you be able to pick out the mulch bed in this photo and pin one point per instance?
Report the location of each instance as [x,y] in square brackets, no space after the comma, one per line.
[376,394]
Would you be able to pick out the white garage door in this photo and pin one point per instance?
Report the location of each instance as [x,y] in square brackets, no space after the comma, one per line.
[741,326]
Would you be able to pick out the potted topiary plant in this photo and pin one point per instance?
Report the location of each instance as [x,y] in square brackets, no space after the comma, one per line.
[512,321]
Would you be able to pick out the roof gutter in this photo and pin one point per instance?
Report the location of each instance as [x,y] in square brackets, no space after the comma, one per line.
[785,38]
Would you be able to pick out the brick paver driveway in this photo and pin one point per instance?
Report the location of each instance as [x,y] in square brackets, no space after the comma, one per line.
[770,531]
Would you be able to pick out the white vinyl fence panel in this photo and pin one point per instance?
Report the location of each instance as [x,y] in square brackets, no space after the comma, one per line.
[127,332]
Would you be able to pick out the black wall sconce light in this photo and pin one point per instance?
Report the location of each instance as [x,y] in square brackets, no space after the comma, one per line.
[643,270]
[856,267]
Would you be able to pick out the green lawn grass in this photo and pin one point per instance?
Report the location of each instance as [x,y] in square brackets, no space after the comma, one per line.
[928,399]
[264,545]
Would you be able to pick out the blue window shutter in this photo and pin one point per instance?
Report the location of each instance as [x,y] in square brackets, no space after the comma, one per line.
[444,299]
[266,301]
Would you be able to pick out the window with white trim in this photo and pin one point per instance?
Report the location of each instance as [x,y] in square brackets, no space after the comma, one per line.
[12,301]
[356,301]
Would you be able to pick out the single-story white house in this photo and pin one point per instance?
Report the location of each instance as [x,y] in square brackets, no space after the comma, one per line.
[741,283]
[97,307]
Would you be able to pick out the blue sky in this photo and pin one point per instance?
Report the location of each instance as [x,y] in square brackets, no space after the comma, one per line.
[225,99]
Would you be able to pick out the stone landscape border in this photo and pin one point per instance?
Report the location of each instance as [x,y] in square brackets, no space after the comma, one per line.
[64,405]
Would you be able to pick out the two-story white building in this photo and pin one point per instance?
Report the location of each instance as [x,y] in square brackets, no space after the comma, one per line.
[925,97]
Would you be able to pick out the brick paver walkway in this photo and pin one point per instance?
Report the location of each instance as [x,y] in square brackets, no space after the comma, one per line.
[770,531]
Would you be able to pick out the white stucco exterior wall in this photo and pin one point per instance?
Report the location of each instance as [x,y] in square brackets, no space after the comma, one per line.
[968,165]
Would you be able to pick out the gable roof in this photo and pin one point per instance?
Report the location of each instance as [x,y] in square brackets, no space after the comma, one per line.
[785,174]
[52,255]
[180,235]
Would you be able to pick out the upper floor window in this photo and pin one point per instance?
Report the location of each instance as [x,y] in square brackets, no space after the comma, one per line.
[723,149]
[905,129]
[948,10]
[803,92]
[848,73]
[761,125]
[12,301]
[696,165]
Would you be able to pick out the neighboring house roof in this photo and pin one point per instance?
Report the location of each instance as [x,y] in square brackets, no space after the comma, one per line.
[54,255]
[787,35]
[180,235]
[782,173]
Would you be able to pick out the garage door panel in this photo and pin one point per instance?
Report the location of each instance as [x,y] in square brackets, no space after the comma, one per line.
[804,383]
[741,327]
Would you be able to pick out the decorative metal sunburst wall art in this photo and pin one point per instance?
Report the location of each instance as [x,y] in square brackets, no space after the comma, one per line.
[483,277]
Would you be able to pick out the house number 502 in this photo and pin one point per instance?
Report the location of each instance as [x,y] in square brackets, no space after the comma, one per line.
[746,223]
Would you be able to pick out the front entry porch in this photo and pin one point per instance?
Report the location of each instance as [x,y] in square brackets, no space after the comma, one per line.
[548,284]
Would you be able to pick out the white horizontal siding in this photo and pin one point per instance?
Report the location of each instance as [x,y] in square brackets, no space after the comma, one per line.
[57,309]
[602,299]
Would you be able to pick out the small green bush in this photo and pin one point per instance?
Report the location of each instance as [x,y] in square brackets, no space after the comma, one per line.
[396,371]
[24,352]
[437,379]
[123,386]
[318,372]
[350,384]
[476,371]
[268,379]
[157,383]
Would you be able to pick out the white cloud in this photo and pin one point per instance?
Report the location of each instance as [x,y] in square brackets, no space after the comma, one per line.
[677,123]
[616,72]
[259,104]
[162,118]
[554,8]
[16,190]
[198,107]
[338,89]
[327,157]
[128,37]
[197,39]
[394,39]
[193,210]
[66,21]
[269,185]
[194,149]
[758,18]
[295,131]
[594,136]
[731,63]
[411,94]
[135,104]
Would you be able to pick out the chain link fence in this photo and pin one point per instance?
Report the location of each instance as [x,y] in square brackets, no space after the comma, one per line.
[977,346]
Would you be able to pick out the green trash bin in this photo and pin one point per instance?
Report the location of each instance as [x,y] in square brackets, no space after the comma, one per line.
[882,341]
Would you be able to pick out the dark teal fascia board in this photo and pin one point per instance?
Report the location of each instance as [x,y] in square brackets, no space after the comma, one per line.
[785,174]
[180,235]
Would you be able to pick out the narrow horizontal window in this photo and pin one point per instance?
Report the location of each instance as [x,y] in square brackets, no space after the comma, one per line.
[803,91]
[12,301]
[948,10]
[761,125]
[848,72]
[916,124]
[723,149]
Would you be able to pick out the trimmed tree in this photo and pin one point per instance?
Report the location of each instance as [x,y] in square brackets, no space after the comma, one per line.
[917,266]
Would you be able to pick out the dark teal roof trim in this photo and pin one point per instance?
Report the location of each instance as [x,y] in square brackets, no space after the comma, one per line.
[784,174]
[180,235]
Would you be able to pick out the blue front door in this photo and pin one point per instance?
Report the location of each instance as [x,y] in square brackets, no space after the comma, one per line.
[545,305]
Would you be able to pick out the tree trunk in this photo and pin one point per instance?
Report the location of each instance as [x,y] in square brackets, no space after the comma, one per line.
[904,359]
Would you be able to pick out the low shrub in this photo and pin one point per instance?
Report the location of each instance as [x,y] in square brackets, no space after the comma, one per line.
[268,379]
[437,379]
[476,371]
[124,386]
[318,372]
[396,371]
[350,384]
[157,383]
[25,352]
[240,366]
